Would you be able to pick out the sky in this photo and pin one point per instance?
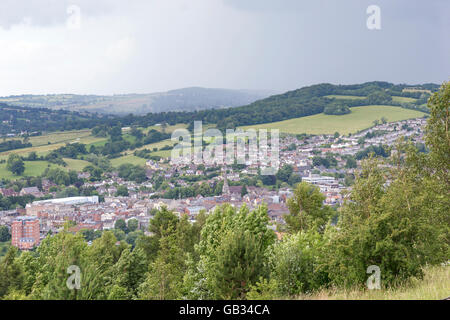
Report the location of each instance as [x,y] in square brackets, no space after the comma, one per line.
[143,46]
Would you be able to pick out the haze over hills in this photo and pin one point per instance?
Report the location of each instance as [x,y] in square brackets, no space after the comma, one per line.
[185,99]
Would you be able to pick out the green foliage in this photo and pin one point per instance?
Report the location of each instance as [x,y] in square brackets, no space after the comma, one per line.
[132,173]
[15,164]
[132,225]
[122,191]
[4,234]
[60,176]
[382,151]
[239,262]
[336,109]
[390,227]
[264,289]
[306,209]
[295,263]
[165,277]
[128,274]
[284,173]
[351,163]
[438,136]
[226,268]
[13,145]
[121,225]
[11,275]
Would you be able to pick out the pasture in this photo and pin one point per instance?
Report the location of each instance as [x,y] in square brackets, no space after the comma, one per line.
[359,119]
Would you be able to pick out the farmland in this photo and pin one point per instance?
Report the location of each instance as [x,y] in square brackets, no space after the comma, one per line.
[359,119]
[394,98]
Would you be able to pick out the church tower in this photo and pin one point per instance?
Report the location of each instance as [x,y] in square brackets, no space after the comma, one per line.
[225,189]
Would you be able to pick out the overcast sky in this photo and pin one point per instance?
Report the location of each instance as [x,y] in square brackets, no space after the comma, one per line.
[158,45]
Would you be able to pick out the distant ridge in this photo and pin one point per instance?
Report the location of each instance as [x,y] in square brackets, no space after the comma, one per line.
[185,99]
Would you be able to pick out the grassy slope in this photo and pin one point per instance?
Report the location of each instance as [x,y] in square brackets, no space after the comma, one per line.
[57,140]
[360,118]
[403,99]
[41,147]
[434,286]
[32,168]
[128,159]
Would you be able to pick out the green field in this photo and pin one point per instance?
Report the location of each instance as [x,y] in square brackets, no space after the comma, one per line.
[57,139]
[169,129]
[403,99]
[394,98]
[359,119]
[75,164]
[128,159]
[32,169]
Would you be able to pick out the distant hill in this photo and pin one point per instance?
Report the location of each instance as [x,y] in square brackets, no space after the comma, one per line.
[313,99]
[69,112]
[187,99]
[15,120]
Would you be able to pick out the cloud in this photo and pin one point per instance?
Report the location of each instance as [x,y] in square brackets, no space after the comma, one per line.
[157,45]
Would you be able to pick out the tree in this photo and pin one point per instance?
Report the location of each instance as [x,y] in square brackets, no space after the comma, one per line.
[135,132]
[335,109]
[244,190]
[115,133]
[99,267]
[437,134]
[351,163]
[285,173]
[132,225]
[229,233]
[121,225]
[165,277]
[32,156]
[4,234]
[394,227]
[128,273]
[49,273]
[295,263]
[15,164]
[133,236]
[122,191]
[11,275]
[306,209]
[163,221]
[239,263]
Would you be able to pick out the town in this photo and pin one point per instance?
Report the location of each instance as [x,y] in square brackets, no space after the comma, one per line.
[326,161]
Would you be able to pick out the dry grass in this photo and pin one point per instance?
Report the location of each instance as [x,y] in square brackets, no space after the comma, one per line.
[434,286]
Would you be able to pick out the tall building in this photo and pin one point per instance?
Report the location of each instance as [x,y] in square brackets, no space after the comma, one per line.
[25,233]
